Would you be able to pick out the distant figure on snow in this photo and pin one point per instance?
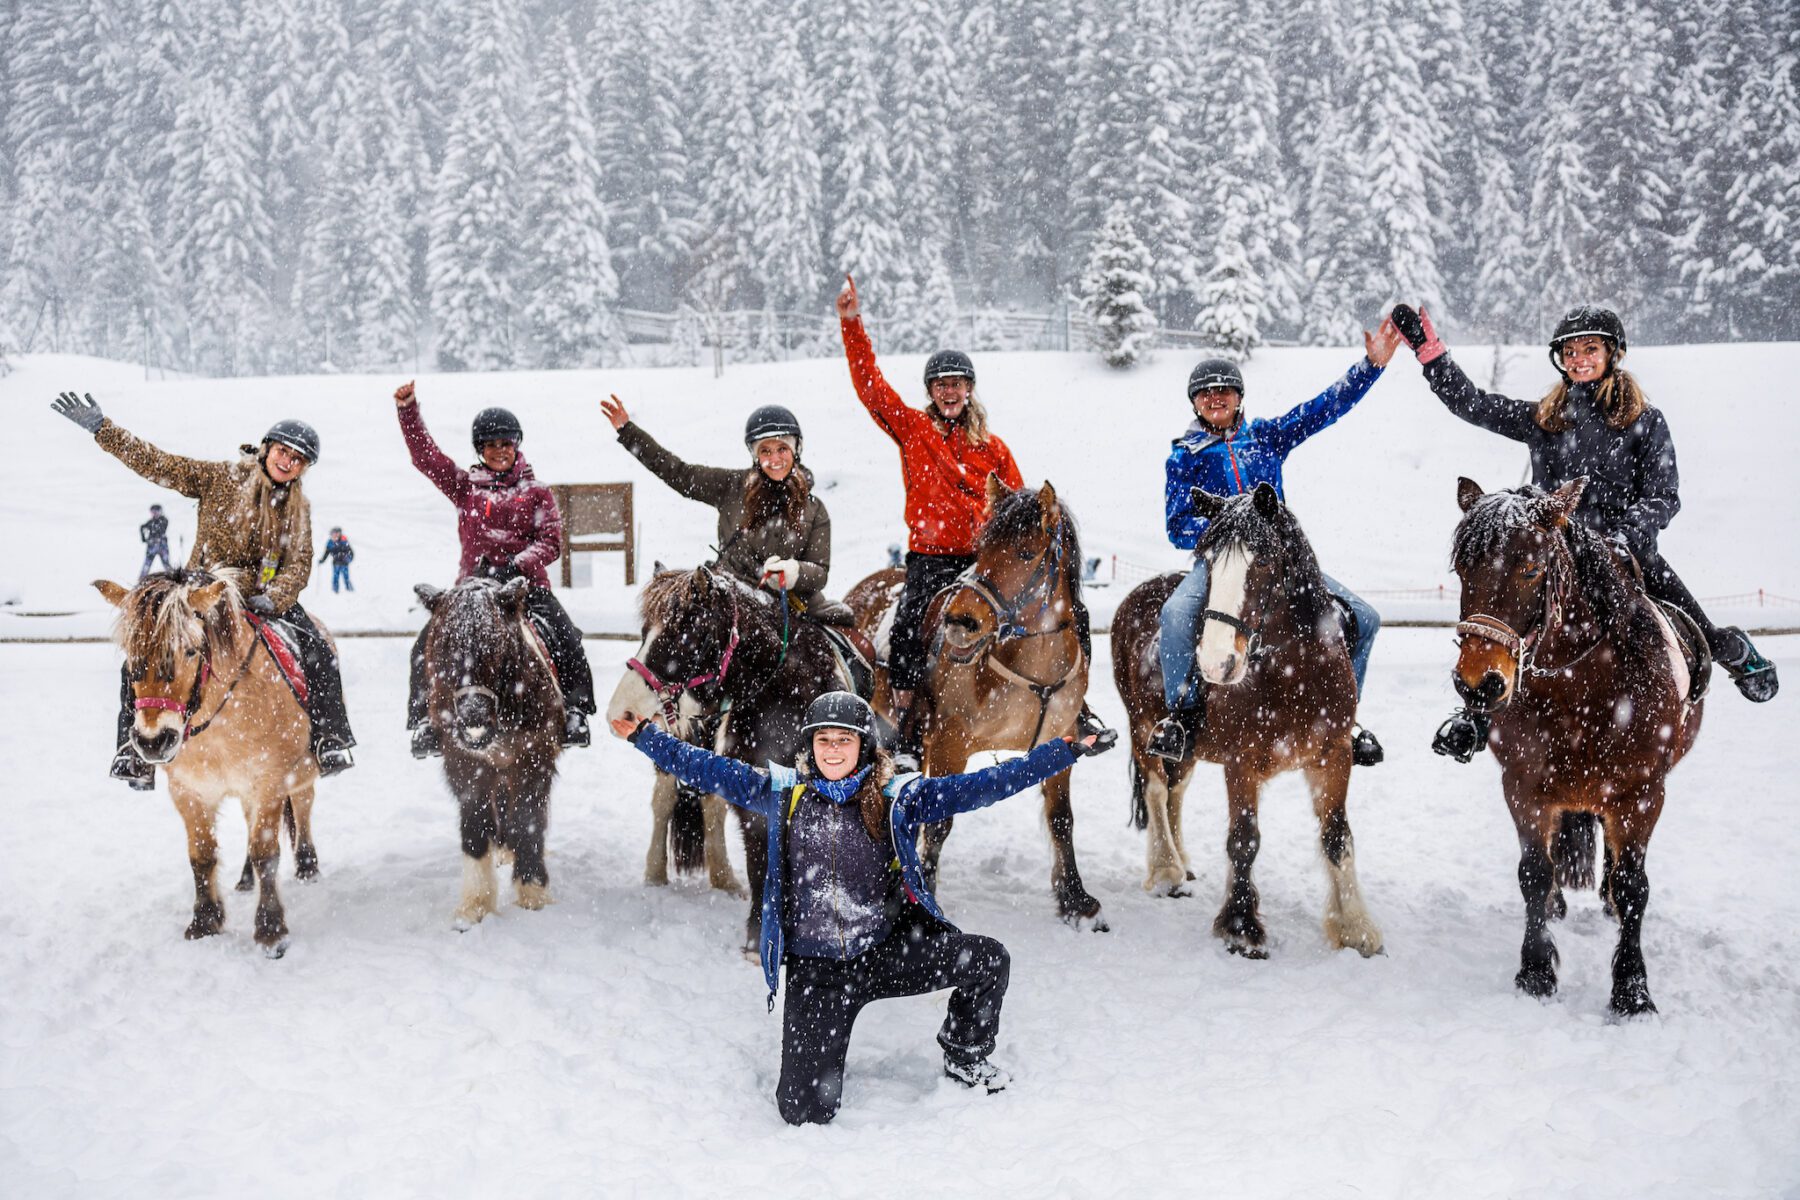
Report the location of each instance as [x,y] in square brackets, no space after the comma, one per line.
[154,533]
[337,549]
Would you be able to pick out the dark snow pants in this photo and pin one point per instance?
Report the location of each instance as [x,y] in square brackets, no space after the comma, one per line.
[1661,582]
[926,576]
[824,996]
[561,639]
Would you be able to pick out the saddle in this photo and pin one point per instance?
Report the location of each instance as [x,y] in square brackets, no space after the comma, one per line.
[1695,653]
[538,635]
[855,656]
[282,650]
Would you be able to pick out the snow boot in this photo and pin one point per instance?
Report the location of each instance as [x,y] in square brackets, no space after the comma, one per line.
[140,775]
[980,1073]
[426,742]
[1753,674]
[1463,735]
[1365,747]
[575,729]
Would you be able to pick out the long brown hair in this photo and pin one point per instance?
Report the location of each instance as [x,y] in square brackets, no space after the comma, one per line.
[1619,396]
[765,498]
[974,420]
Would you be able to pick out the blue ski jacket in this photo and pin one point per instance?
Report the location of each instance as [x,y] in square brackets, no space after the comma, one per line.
[1251,453]
[915,800]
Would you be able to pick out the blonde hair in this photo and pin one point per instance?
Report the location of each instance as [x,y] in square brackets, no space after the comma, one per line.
[1619,396]
[974,420]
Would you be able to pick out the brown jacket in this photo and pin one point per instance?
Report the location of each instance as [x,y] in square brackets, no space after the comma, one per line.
[247,520]
[742,551]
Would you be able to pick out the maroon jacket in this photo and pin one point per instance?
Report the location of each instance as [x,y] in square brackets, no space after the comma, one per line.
[509,518]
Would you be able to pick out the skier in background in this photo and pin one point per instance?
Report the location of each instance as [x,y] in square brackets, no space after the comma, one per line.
[337,549]
[154,533]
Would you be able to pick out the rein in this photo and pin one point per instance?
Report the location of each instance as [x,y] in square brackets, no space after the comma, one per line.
[1524,647]
[669,692]
[189,729]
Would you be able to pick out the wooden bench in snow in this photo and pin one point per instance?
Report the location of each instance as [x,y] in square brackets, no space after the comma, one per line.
[592,512]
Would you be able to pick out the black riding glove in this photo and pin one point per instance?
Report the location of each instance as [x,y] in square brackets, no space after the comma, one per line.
[1081,749]
[1406,320]
[80,409]
[261,605]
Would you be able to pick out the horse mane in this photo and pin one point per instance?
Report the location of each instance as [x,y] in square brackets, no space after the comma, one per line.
[157,615]
[669,591]
[471,623]
[1016,514]
[1279,538]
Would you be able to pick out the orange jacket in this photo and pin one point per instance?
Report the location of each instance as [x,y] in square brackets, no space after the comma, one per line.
[946,478]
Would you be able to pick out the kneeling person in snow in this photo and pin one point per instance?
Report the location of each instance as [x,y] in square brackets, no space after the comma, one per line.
[859,923]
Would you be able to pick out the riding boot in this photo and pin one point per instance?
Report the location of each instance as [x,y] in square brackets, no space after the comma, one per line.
[126,765]
[575,728]
[562,640]
[909,748]
[331,735]
[1463,735]
[1753,674]
[1174,736]
[1365,748]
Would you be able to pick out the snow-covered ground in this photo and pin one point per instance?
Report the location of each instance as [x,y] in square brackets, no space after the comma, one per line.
[616,1043]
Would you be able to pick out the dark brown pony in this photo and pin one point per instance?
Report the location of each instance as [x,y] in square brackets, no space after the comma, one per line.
[712,644]
[1590,701]
[1007,672]
[499,715]
[1283,698]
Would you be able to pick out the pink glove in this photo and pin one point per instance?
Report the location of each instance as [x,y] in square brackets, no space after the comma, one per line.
[1416,328]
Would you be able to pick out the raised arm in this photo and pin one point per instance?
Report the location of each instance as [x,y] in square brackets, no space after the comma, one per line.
[882,401]
[188,476]
[431,462]
[709,485]
[1495,413]
[740,783]
[1310,416]
[935,799]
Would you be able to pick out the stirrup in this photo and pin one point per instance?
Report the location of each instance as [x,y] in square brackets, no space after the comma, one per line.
[1754,675]
[1168,739]
[1088,725]
[575,729]
[426,742]
[1461,736]
[333,758]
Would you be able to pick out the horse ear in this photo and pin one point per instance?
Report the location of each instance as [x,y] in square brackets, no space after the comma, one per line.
[1046,499]
[513,591]
[657,567]
[428,596]
[1205,503]
[1266,501]
[1564,499]
[115,595]
[1467,493]
[996,488]
[202,599]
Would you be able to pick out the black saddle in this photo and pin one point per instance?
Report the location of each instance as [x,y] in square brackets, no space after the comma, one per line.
[1694,650]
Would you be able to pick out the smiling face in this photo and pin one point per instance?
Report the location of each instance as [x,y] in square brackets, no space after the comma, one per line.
[775,458]
[1218,406]
[1585,359]
[836,752]
[500,455]
[950,395]
[283,463]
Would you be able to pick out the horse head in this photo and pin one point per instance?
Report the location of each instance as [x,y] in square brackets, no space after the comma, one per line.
[1027,565]
[172,626]
[1258,563]
[693,622]
[477,660]
[1511,552]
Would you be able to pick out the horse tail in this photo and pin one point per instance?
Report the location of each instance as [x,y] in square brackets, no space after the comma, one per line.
[687,831]
[1573,849]
[287,817]
[1140,808]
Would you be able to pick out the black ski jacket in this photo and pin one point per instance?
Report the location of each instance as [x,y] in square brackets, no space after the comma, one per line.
[1632,487]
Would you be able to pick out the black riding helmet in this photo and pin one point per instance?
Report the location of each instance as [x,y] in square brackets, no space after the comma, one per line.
[841,710]
[1212,373]
[772,421]
[496,425]
[949,364]
[1588,320]
[297,436]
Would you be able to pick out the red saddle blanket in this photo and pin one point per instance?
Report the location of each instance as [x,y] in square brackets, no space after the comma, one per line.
[287,659]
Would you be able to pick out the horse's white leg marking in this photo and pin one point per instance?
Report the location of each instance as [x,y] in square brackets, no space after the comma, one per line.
[534,895]
[1164,873]
[662,809]
[1347,921]
[1218,655]
[479,890]
[1177,799]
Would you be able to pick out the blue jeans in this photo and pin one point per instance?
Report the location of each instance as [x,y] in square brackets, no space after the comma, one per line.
[341,571]
[1181,630]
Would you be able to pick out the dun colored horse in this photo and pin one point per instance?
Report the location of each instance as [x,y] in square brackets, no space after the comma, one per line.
[714,645]
[498,711]
[215,713]
[1283,698]
[1007,672]
[1591,706]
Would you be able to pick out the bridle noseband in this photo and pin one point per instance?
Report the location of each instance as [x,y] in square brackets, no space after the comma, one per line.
[668,693]
[1524,647]
[188,728]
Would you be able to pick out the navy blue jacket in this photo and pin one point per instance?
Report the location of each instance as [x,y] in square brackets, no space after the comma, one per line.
[1252,453]
[338,550]
[915,800]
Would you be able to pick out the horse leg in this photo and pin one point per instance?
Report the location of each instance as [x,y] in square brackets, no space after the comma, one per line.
[1073,902]
[479,888]
[1537,877]
[528,820]
[299,825]
[1347,920]
[662,809]
[1238,922]
[1630,838]
[756,865]
[203,858]
[265,852]
[1177,802]
[931,846]
[1165,869]
[714,812]
[246,877]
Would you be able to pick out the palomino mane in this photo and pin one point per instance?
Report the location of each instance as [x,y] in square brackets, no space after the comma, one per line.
[1279,539]
[157,616]
[1016,515]
[1589,567]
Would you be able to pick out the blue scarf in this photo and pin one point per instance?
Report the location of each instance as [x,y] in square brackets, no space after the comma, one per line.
[843,789]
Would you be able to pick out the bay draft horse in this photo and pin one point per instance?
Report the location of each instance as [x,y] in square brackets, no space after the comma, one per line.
[213,710]
[1282,698]
[1589,694]
[495,703]
[1007,672]
[715,646]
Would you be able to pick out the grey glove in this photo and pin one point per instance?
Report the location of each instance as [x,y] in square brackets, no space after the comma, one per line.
[80,409]
[261,605]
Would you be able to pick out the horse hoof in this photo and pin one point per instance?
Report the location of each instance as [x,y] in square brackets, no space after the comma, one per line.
[200,929]
[246,882]
[307,874]
[276,948]
[1164,889]
[1632,1000]
[656,881]
[534,896]
[1538,983]
[1092,923]
[1248,950]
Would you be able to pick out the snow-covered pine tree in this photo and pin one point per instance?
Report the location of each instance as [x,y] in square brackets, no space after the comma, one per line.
[865,217]
[727,140]
[474,214]
[566,281]
[1114,291]
[923,89]
[1504,299]
[787,234]
[1757,288]
[1035,225]
[925,310]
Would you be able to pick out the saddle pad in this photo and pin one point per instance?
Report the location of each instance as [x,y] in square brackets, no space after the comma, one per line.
[278,639]
[1689,655]
[537,635]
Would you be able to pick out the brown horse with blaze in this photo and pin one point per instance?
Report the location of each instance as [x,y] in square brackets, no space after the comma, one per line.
[1593,701]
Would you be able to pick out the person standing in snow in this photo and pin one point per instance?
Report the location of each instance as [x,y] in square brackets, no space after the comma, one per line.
[1225,454]
[845,904]
[337,549]
[154,533]
[946,456]
[509,526]
[1596,423]
[773,530]
[255,518]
